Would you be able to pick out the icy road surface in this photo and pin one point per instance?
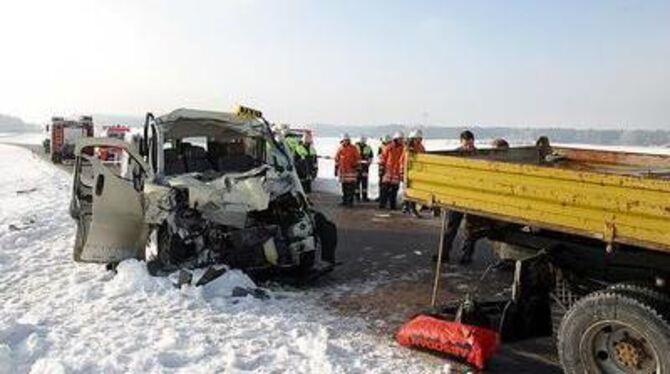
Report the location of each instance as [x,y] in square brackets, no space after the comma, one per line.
[58,316]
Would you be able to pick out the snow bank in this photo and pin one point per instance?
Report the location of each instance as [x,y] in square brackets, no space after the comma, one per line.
[58,316]
[23,138]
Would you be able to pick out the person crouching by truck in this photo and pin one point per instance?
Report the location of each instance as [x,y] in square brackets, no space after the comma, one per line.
[414,145]
[346,169]
[392,160]
[384,141]
[364,150]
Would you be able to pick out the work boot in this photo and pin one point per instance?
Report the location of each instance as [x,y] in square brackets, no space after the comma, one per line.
[465,259]
[445,258]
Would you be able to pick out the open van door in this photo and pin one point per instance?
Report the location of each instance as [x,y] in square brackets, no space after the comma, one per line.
[107,203]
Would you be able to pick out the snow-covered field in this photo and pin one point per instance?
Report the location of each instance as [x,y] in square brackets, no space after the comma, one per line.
[57,316]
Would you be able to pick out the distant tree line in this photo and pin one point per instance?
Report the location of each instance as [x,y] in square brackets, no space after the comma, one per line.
[15,124]
[513,134]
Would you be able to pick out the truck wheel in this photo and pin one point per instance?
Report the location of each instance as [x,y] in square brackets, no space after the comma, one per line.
[643,290]
[614,332]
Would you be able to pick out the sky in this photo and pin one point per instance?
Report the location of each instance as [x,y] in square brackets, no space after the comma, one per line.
[595,64]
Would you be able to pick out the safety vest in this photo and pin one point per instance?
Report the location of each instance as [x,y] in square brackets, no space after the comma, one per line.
[304,150]
[365,151]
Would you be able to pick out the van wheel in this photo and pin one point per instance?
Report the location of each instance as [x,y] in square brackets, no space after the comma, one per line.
[327,233]
[615,332]
[307,261]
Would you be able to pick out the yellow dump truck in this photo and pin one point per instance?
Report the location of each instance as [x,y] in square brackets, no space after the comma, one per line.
[595,230]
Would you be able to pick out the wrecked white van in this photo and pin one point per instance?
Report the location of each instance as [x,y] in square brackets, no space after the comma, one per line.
[206,188]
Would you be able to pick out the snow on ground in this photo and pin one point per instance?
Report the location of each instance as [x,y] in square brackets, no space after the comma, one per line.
[57,316]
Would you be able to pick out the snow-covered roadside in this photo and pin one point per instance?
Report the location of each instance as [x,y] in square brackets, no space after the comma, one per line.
[60,316]
[23,138]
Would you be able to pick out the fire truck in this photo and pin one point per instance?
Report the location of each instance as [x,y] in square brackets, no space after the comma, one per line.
[64,133]
[115,132]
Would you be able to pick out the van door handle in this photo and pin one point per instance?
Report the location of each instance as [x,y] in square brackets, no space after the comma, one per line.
[99,184]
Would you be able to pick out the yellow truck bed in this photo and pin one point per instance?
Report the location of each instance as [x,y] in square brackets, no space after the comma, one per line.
[617,197]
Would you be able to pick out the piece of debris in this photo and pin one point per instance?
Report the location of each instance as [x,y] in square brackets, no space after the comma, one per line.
[184,278]
[20,192]
[257,293]
[24,225]
[210,274]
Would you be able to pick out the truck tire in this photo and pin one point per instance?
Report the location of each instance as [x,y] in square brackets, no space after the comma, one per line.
[644,290]
[564,297]
[615,332]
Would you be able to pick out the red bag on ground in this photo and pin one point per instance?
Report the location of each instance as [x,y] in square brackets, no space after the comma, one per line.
[473,344]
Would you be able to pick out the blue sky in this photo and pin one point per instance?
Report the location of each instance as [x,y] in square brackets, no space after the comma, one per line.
[524,63]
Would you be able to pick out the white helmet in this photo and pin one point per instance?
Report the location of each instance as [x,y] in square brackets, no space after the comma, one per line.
[364,139]
[415,134]
[398,135]
[386,138]
[307,137]
[345,137]
[283,129]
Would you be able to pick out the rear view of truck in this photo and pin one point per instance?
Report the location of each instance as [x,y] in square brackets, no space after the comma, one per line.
[64,133]
[594,231]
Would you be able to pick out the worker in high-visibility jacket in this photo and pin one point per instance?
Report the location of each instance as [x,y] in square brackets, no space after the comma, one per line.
[364,150]
[393,161]
[346,169]
[306,162]
[414,145]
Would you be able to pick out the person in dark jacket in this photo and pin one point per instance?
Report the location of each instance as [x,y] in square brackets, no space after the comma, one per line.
[384,141]
[454,218]
[365,151]
[414,145]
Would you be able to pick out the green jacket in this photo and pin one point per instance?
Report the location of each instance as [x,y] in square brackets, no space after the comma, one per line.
[365,151]
[303,150]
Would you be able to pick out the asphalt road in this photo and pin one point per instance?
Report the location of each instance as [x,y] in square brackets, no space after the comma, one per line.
[396,250]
